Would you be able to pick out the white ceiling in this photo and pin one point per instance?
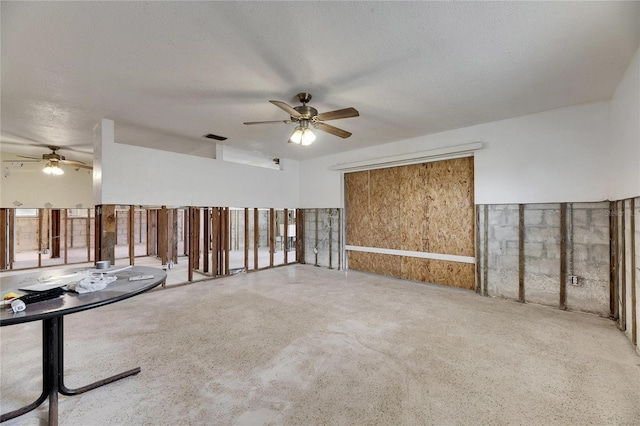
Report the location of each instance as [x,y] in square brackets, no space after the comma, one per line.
[169,72]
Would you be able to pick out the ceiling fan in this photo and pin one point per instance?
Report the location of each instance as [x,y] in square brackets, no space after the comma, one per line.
[54,160]
[305,115]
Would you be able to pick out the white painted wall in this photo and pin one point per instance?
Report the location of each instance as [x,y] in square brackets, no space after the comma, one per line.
[32,188]
[624,180]
[142,176]
[553,156]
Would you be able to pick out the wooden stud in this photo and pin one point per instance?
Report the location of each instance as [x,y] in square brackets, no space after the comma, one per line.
[162,235]
[300,236]
[563,256]
[330,240]
[173,236]
[227,239]
[3,239]
[105,232]
[315,244]
[485,254]
[55,233]
[12,236]
[339,238]
[140,227]
[623,267]
[131,236]
[634,283]
[66,236]
[521,253]
[478,277]
[190,237]
[256,236]
[613,257]
[40,220]
[246,239]
[285,242]
[272,221]
[207,233]
[215,240]
[88,234]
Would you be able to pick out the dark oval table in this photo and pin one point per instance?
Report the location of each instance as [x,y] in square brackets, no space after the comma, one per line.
[51,313]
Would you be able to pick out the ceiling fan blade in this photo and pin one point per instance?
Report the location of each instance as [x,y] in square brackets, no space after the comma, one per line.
[268,122]
[22,161]
[31,158]
[339,113]
[76,164]
[292,112]
[333,130]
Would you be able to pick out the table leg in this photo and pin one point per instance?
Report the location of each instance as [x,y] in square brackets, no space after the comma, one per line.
[60,369]
[46,379]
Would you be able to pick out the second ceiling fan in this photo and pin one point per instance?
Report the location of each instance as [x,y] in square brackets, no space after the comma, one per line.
[305,115]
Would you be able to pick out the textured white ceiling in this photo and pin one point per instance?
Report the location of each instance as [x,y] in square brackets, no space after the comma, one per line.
[170,72]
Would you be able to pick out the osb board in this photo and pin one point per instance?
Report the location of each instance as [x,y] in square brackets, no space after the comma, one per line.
[450,207]
[357,211]
[414,181]
[423,207]
[384,208]
[383,264]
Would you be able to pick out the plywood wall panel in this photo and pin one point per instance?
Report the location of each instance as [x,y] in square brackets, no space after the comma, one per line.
[454,274]
[413,206]
[450,207]
[424,208]
[383,264]
[358,222]
[385,208]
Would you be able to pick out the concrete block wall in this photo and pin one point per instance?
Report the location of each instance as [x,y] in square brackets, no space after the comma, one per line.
[329,237]
[587,254]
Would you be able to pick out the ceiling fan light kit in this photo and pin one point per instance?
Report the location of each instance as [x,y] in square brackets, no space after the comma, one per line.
[302,134]
[53,169]
[304,115]
[53,161]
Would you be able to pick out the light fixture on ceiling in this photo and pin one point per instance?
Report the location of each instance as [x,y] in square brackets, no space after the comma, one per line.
[52,168]
[302,134]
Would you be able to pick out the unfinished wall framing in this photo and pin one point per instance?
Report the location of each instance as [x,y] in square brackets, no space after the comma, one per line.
[563,255]
[414,222]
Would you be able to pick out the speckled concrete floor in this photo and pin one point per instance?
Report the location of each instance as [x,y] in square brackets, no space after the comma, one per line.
[304,345]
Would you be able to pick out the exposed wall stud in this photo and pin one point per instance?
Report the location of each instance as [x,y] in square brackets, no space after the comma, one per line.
[206,233]
[563,256]
[272,220]
[634,283]
[613,261]
[246,239]
[131,229]
[162,235]
[285,242]
[300,237]
[256,237]
[521,295]
[3,239]
[12,233]
[623,266]
[315,243]
[478,259]
[66,236]
[485,254]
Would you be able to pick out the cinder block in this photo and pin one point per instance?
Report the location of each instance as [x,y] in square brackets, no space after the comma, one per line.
[549,267]
[512,248]
[599,254]
[580,252]
[552,250]
[600,218]
[533,249]
[552,218]
[505,233]
[580,218]
[496,217]
[532,217]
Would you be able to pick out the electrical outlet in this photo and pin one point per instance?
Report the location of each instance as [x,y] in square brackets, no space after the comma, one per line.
[574,280]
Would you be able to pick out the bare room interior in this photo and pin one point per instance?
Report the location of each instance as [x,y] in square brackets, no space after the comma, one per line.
[362,212]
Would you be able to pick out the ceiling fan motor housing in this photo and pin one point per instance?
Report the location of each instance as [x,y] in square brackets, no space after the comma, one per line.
[306,112]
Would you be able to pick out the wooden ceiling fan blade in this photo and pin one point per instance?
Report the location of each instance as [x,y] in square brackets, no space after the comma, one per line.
[22,161]
[267,122]
[339,113]
[333,130]
[289,109]
[31,158]
[76,164]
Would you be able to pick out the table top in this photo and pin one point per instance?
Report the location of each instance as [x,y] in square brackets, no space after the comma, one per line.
[71,302]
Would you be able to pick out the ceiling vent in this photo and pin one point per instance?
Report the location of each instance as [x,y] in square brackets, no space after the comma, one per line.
[216,137]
